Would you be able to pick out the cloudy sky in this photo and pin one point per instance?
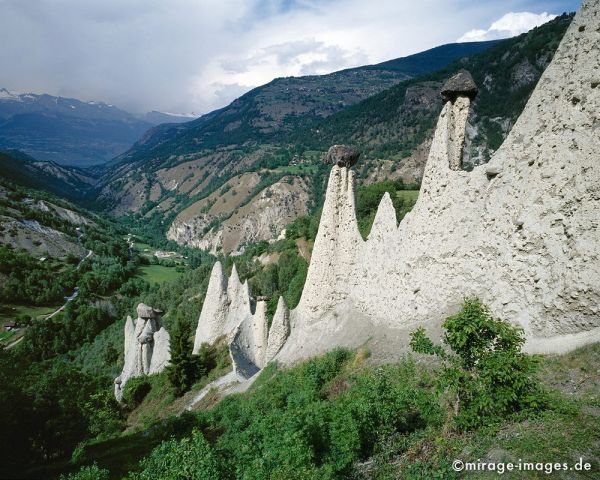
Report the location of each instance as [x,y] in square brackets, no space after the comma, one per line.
[197,55]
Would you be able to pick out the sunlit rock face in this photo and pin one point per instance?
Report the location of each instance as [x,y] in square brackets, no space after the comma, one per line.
[230,311]
[521,233]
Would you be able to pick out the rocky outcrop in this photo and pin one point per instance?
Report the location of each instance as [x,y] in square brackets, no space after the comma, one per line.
[65,213]
[279,331]
[460,84]
[230,311]
[227,305]
[520,233]
[249,343]
[244,219]
[215,309]
[147,347]
[342,156]
[37,239]
[336,248]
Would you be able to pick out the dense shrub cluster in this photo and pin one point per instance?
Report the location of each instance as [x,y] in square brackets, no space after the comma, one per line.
[485,373]
[332,417]
[313,421]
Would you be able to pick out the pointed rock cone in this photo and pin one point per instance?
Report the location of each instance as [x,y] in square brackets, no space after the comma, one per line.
[249,343]
[161,354]
[214,310]
[384,225]
[280,330]
[334,252]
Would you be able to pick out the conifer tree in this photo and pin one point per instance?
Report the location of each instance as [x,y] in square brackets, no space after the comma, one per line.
[182,369]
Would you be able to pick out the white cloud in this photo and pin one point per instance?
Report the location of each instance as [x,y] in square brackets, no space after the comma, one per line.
[509,25]
[192,55]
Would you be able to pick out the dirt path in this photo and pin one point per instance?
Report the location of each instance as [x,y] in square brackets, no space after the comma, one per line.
[11,345]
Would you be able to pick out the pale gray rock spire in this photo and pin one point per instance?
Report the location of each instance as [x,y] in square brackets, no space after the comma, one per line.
[147,347]
[520,233]
[279,331]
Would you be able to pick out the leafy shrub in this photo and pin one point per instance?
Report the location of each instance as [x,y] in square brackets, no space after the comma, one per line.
[104,414]
[207,359]
[187,459]
[135,391]
[91,472]
[485,371]
[313,421]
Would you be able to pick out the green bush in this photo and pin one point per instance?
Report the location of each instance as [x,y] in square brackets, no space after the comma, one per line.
[91,472]
[313,421]
[182,370]
[104,414]
[485,372]
[135,391]
[187,459]
[206,359]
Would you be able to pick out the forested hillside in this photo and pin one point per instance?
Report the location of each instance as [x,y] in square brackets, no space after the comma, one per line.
[67,182]
[392,125]
[271,111]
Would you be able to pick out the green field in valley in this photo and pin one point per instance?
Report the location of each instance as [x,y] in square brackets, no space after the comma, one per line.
[409,195]
[12,312]
[143,247]
[158,273]
[6,335]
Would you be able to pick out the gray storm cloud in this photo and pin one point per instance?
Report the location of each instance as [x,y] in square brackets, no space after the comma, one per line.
[197,55]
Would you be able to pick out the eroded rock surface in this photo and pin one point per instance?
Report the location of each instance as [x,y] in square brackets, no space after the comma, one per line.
[262,218]
[230,311]
[342,156]
[520,233]
[147,347]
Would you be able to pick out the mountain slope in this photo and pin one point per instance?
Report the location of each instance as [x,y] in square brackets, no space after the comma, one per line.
[286,104]
[392,129]
[66,130]
[21,169]
[41,223]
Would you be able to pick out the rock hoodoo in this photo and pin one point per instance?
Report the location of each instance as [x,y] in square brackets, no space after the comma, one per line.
[230,311]
[147,347]
[342,156]
[521,233]
[460,84]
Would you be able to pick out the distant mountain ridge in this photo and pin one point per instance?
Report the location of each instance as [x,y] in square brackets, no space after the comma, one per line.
[69,131]
[68,182]
[289,103]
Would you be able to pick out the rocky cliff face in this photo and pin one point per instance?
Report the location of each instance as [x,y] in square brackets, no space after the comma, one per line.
[241,221]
